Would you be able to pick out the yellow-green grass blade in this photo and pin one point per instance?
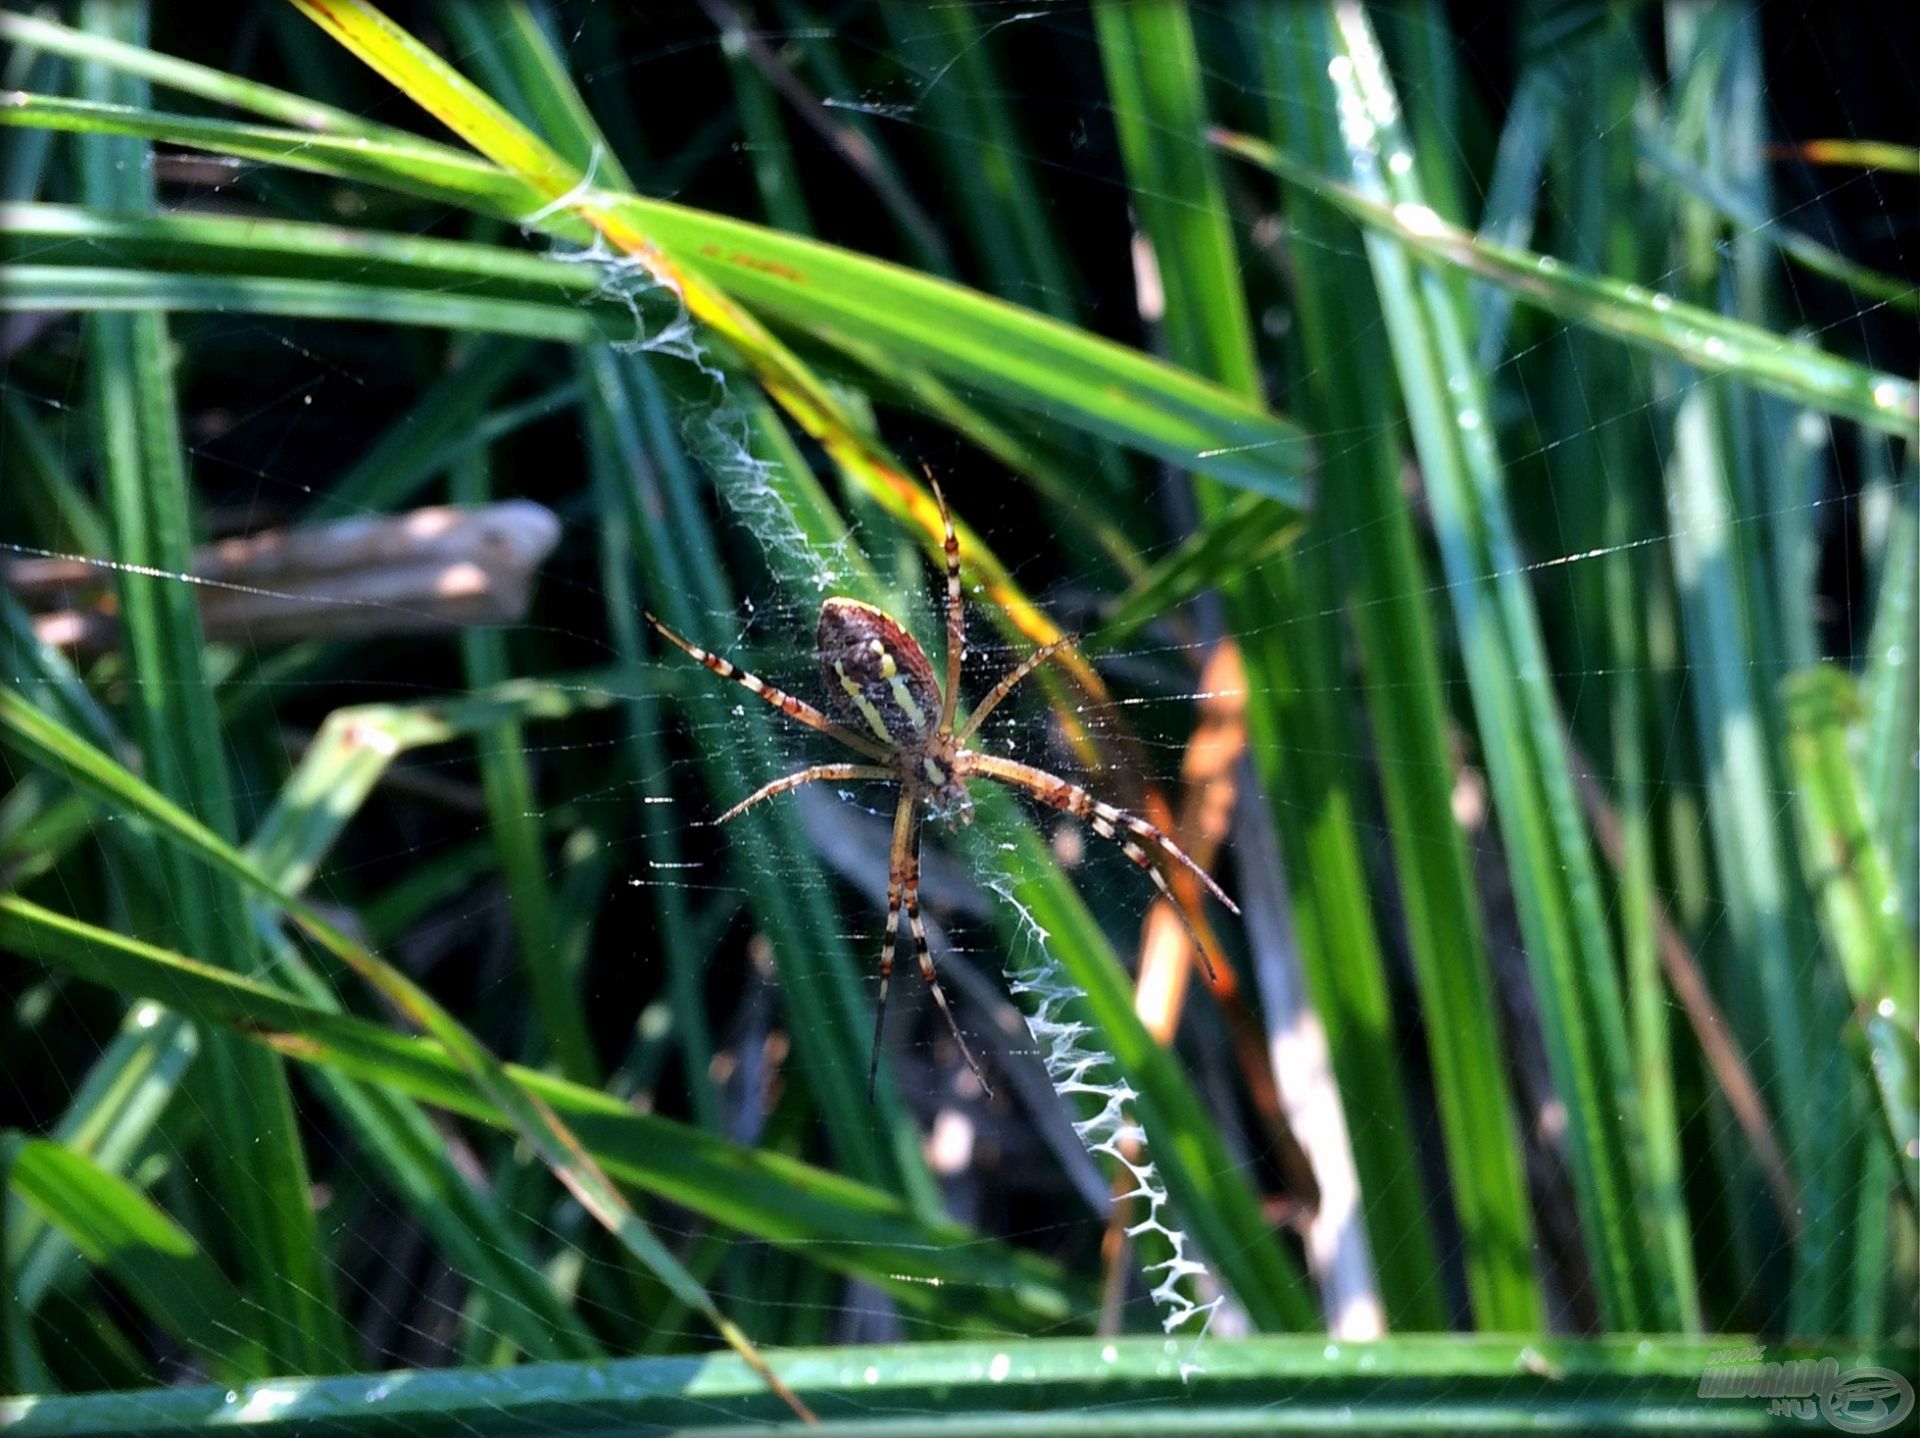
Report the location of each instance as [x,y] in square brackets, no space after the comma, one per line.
[1647,319]
[26,730]
[1891,697]
[512,48]
[827,1218]
[661,260]
[1284,620]
[1387,589]
[1862,154]
[1859,904]
[803,538]
[257,1167]
[1188,1147]
[532,197]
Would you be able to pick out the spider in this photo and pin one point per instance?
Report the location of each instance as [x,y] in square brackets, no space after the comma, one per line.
[888,707]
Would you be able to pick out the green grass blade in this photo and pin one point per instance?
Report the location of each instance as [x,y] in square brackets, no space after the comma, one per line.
[1387,593]
[257,1166]
[832,1220]
[1706,339]
[352,751]
[1026,360]
[26,730]
[1048,1388]
[148,1255]
[687,583]
[1859,903]
[507,784]
[1152,69]
[1212,1201]
[1731,522]
[1891,693]
[104,49]
[1556,888]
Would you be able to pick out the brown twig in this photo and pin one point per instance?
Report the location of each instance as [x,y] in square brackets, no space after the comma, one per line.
[426,570]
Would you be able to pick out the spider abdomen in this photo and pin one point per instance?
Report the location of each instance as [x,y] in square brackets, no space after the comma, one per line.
[877,676]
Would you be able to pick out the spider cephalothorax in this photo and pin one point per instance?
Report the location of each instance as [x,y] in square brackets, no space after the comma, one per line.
[886,704]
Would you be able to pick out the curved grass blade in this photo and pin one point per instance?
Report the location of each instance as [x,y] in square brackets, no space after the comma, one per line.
[1027,360]
[838,1222]
[24,729]
[1705,339]
[136,1244]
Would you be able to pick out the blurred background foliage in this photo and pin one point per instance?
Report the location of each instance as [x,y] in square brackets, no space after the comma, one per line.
[1478,452]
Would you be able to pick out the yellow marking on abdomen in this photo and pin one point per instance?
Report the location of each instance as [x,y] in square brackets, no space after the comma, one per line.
[865,705]
[904,698]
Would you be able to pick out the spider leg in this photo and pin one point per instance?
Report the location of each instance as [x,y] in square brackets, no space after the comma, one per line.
[897,855]
[1107,822]
[956,614]
[807,776]
[1005,687]
[926,958]
[793,708]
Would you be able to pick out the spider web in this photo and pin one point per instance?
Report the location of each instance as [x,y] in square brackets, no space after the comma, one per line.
[626,785]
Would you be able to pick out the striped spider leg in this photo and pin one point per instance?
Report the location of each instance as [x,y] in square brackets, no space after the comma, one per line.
[886,705]
[877,676]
